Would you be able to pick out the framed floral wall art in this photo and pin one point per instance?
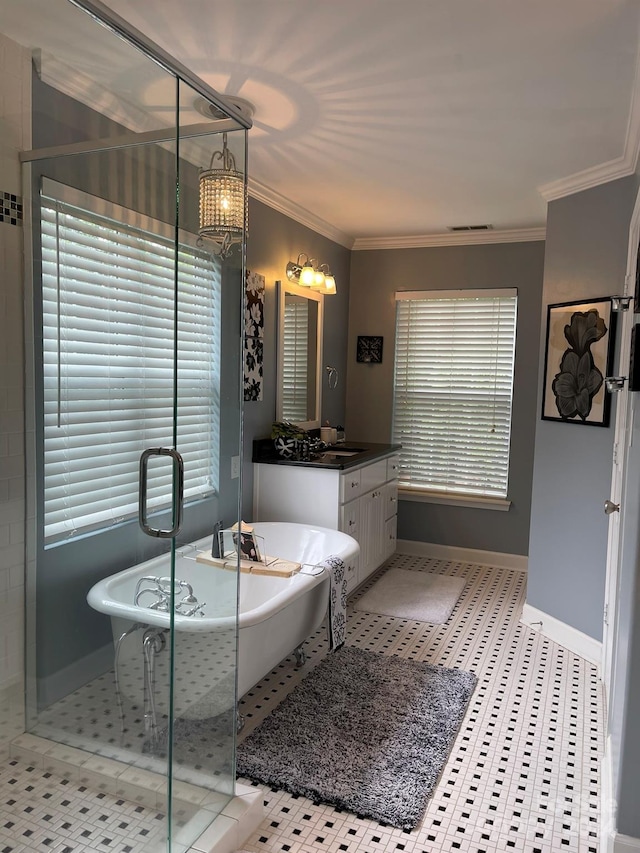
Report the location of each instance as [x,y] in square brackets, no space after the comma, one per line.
[578,356]
[253,336]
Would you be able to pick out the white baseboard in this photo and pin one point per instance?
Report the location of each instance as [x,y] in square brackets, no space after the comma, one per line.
[499,560]
[626,844]
[577,642]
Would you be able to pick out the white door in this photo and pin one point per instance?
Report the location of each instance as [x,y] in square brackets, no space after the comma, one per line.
[613,507]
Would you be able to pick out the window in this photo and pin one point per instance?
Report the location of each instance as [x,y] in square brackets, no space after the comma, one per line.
[453,390]
[108,361]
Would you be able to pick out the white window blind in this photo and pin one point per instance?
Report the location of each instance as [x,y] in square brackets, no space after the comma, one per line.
[108,372]
[295,360]
[453,390]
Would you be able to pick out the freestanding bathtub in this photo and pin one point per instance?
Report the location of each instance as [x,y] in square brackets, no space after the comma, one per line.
[275,616]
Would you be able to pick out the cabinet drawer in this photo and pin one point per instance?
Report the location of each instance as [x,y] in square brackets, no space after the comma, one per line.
[373,475]
[390,497]
[350,485]
[393,467]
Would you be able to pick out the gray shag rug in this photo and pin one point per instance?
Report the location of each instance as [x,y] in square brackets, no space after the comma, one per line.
[421,596]
[364,732]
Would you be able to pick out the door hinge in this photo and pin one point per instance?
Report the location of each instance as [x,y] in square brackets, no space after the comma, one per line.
[606,614]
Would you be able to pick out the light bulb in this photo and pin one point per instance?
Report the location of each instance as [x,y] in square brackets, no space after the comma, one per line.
[307,276]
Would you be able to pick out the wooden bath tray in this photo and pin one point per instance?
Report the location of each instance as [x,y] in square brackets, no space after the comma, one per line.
[274,565]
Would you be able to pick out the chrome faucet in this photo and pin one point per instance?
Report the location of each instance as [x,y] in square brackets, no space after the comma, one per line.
[162,589]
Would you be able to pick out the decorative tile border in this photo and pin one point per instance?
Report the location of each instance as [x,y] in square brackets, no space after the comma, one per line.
[10,208]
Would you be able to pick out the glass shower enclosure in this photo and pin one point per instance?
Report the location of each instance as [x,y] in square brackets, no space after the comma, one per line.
[134,416]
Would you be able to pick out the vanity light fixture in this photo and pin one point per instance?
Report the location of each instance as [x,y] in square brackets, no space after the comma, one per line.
[620,303]
[308,273]
[223,212]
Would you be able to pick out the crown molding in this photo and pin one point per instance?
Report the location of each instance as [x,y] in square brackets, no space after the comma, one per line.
[278,202]
[620,167]
[454,238]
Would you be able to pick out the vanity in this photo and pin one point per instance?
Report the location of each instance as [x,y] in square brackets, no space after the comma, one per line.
[349,488]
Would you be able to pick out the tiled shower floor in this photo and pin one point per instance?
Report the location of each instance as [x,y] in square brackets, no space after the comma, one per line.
[522,775]
[43,812]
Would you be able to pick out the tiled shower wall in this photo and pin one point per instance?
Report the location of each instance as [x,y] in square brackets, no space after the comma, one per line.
[15,111]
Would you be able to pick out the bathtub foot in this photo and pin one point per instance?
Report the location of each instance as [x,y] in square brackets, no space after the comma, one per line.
[239,721]
[301,656]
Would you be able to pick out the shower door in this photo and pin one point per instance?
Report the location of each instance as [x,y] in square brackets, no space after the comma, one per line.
[135,329]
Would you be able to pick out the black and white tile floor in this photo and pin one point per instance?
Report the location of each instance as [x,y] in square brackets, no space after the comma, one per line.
[522,775]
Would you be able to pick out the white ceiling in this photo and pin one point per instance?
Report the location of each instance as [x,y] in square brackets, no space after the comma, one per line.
[380,119]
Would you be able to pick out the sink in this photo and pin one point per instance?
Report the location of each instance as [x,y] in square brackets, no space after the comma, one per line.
[328,453]
[345,450]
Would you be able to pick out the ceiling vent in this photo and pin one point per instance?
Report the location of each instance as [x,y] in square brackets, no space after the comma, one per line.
[470,228]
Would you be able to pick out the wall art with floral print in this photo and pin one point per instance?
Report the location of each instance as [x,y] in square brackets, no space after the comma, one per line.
[253,336]
[578,356]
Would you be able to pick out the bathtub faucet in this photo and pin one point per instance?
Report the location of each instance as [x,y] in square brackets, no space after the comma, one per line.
[161,589]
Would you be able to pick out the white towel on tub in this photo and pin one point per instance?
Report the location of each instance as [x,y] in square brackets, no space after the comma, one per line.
[337,610]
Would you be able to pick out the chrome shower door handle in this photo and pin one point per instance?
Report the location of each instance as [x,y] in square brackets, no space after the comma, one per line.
[610,507]
[178,492]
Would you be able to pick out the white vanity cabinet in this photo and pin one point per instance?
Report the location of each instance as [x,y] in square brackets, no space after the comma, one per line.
[361,501]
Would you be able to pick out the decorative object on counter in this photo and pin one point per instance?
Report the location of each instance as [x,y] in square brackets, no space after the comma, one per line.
[308,273]
[579,354]
[323,741]
[286,437]
[369,349]
[326,432]
[420,596]
[253,336]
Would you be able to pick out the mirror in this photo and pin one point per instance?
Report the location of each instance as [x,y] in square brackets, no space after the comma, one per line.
[299,355]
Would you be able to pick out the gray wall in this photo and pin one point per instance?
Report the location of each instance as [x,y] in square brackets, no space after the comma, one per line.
[587,239]
[375,276]
[275,239]
[586,255]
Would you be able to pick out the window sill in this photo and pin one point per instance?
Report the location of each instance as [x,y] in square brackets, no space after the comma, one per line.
[471,501]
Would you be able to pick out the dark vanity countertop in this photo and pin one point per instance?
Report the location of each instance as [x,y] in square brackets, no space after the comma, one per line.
[264,451]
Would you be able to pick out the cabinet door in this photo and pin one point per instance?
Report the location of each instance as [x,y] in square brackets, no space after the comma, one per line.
[390,536]
[349,520]
[372,532]
[350,523]
[390,498]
